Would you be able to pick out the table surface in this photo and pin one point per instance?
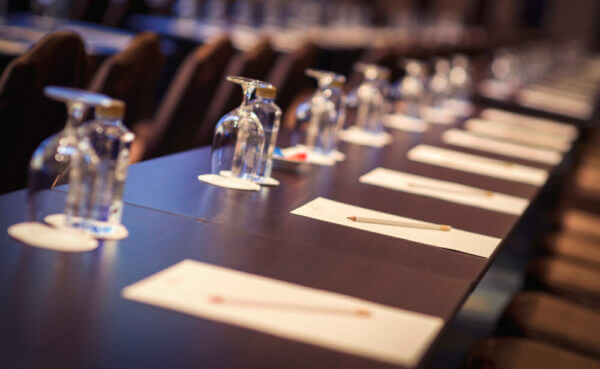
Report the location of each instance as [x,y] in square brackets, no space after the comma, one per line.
[65,310]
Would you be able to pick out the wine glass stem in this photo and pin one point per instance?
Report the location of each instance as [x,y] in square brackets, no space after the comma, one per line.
[75,115]
[248,92]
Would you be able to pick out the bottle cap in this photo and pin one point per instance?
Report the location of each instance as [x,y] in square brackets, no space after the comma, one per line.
[114,109]
[267,92]
[337,83]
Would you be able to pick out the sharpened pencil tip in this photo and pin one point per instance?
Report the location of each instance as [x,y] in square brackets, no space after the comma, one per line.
[352,218]
[363,313]
[216,299]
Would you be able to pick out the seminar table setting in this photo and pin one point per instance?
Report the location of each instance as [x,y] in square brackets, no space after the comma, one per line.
[359,264]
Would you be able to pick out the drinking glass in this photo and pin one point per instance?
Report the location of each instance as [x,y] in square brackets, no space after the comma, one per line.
[65,158]
[324,111]
[412,87]
[439,85]
[239,137]
[371,97]
[460,80]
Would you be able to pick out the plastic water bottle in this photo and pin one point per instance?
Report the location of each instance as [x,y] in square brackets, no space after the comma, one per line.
[269,115]
[111,141]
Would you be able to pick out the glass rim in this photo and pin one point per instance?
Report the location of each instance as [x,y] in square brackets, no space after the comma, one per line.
[248,81]
[76,96]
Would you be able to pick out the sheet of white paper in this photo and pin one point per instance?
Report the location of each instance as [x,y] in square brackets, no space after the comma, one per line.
[477,164]
[337,212]
[358,136]
[444,190]
[555,104]
[540,124]
[404,123]
[472,141]
[291,311]
[522,135]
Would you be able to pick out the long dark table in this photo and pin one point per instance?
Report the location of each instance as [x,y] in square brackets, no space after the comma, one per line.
[65,310]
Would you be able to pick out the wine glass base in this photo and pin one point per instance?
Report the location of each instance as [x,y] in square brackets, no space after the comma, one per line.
[98,229]
[58,239]
[229,182]
[438,115]
[359,136]
[269,181]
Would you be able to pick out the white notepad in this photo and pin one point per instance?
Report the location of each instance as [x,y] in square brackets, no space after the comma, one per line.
[472,141]
[540,124]
[444,190]
[291,311]
[477,164]
[521,135]
[404,123]
[337,212]
[564,105]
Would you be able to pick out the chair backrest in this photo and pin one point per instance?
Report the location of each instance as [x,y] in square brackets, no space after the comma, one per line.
[288,73]
[28,117]
[254,63]
[132,76]
[187,99]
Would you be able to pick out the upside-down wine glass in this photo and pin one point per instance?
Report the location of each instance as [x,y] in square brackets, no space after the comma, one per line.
[411,88]
[324,111]
[65,157]
[371,97]
[239,137]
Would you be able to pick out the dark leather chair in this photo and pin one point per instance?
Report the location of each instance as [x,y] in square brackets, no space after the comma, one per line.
[288,73]
[132,76]
[568,279]
[187,99]
[523,353]
[575,247]
[26,115]
[553,320]
[254,63]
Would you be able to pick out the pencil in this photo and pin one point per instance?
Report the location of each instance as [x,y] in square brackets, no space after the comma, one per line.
[465,191]
[400,223]
[220,300]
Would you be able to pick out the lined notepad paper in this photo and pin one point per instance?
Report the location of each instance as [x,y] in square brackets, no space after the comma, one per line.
[291,311]
[521,135]
[540,124]
[477,164]
[337,212]
[560,104]
[472,141]
[444,190]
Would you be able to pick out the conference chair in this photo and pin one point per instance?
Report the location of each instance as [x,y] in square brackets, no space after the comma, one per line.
[26,115]
[187,99]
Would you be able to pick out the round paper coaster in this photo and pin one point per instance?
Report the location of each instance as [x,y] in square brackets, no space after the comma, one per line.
[460,108]
[267,181]
[229,182]
[438,115]
[102,230]
[47,237]
[338,155]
